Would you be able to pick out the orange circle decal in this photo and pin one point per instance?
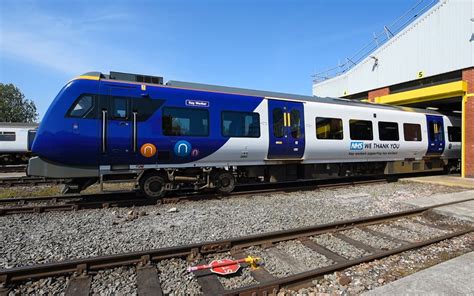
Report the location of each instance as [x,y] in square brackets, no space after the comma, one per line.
[148,150]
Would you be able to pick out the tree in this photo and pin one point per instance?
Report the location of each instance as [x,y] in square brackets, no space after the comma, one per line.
[14,107]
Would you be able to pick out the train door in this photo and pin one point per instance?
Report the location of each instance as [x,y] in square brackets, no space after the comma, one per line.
[118,127]
[286,128]
[436,140]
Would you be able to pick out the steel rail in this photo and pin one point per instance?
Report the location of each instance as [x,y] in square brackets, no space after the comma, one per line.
[18,274]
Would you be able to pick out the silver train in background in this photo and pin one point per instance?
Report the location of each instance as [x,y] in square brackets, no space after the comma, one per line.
[15,142]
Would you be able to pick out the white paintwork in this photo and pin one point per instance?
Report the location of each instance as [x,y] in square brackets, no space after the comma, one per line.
[452,149]
[243,150]
[321,151]
[21,142]
[439,41]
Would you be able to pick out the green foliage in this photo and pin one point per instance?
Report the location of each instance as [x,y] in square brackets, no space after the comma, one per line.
[14,107]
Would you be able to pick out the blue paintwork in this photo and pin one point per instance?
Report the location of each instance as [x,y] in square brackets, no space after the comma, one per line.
[436,142]
[77,142]
[286,146]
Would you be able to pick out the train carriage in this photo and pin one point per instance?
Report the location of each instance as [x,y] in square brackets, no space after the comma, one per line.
[15,142]
[122,126]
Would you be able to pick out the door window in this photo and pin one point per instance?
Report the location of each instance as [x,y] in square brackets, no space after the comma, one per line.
[295,124]
[120,108]
[436,131]
[278,124]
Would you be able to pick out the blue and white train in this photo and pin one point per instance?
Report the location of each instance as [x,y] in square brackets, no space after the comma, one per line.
[168,136]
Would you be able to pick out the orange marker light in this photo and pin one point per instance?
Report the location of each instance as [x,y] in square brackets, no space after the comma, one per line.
[148,150]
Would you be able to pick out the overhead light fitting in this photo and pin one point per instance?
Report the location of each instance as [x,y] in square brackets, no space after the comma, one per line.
[432,108]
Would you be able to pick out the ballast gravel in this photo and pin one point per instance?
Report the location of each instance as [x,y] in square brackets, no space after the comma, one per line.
[287,258]
[49,237]
[175,279]
[371,240]
[339,246]
[47,286]
[117,281]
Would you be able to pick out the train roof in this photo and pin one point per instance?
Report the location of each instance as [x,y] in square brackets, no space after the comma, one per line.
[155,80]
[18,124]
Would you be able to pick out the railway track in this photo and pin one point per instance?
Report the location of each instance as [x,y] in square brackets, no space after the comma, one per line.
[28,181]
[44,204]
[13,168]
[265,280]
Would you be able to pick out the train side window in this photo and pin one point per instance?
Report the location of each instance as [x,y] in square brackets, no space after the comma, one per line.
[361,130]
[7,136]
[454,133]
[82,107]
[120,108]
[295,124]
[329,128]
[185,122]
[240,124]
[412,132]
[388,131]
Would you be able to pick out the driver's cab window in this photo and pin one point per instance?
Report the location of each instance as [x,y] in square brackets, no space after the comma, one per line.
[82,107]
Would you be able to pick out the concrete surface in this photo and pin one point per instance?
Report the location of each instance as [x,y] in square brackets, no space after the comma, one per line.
[464,211]
[445,180]
[453,277]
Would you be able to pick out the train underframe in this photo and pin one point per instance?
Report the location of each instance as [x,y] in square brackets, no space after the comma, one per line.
[14,158]
[155,183]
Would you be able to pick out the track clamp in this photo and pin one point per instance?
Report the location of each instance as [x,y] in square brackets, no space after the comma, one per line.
[81,270]
[194,255]
[216,247]
[145,260]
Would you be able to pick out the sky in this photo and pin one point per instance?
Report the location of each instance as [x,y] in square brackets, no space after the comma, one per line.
[271,45]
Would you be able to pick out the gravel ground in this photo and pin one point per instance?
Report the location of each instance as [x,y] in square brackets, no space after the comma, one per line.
[117,281]
[288,258]
[371,240]
[48,286]
[38,238]
[175,279]
[367,276]
[338,246]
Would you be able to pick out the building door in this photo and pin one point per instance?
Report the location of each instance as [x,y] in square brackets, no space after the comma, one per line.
[286,129]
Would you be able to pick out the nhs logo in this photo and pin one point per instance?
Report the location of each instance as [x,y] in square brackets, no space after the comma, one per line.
[357,146]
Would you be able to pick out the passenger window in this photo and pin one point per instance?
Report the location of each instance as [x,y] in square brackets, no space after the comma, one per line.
[120,108]
[388,131]
[295,123]
[329,128]
[412,132]
[82,107]
[7,136]
[361,130]
[240,124]
[278,124]
[436,131]
[185,122]
[454,134]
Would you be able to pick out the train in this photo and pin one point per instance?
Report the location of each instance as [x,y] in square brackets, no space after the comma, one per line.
[175,135]
[15,142]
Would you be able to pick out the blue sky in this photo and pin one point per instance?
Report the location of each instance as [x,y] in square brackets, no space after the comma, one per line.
[271,45]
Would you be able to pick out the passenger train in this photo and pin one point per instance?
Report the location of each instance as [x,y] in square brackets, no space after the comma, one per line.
[15,142]
[179,134]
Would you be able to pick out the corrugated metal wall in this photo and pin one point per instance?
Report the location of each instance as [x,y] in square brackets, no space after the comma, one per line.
[436,43]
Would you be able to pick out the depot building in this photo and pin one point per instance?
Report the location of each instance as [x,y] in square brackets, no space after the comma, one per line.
[428,63]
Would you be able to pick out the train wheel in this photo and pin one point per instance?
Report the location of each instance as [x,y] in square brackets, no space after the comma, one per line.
[152,186]
[224,181]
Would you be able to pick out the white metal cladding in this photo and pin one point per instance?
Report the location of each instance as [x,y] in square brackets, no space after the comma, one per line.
[439,41]
[21,140]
